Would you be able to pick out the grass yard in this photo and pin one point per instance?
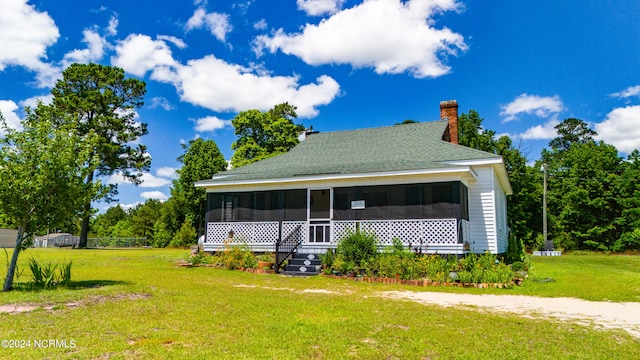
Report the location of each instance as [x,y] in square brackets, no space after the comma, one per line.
[126,304]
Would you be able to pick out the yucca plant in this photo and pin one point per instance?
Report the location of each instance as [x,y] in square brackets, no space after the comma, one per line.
[43,276]
[65,273]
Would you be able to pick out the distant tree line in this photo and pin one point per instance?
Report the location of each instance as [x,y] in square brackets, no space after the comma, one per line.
[593,194]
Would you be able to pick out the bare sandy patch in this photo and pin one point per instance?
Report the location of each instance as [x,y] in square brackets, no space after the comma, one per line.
[93,300]
[313,291]
[608,315]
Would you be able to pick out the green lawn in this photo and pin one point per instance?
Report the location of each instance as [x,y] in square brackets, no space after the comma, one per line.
[138,304]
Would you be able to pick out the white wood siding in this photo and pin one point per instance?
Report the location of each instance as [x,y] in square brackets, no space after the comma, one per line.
[501,217]
[482,211]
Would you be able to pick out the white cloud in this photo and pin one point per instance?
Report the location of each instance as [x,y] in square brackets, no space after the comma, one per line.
[148,180]
[628,92]
[211,123]
[161,102]
[126,207]
[260,24]
[94,51]
[112,28]
[541,106]
[320,7]
[25,35]
[8,109]
[166,172]
[388,35]
[621,128]
[541,132]
[179,43]
[32,102]
[157,195]
[220,86]
[217,23]
[138,54]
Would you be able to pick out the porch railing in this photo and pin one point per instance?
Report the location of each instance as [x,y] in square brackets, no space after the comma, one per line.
[287,245]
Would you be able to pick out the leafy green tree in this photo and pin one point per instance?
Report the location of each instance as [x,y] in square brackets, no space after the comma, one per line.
[583,189]
[100,100]
[201,160]
[471,133]
[629,203]
[123,229]
[186,235]
[571,131]
[43,169]
[174,211]
[103,224]
[144,216]
[161,235]
[588,194]
[264,134]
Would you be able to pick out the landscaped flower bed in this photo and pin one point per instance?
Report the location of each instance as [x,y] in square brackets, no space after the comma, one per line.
[357,256]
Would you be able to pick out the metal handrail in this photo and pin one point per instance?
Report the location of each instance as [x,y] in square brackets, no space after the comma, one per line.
[286,247]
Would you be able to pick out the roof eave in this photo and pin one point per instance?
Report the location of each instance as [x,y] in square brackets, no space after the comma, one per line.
[211,183]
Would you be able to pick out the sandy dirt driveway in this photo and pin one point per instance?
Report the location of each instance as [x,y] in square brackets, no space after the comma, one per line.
[608,315]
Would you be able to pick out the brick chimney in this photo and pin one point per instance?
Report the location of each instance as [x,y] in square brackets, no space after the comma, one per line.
[449,112]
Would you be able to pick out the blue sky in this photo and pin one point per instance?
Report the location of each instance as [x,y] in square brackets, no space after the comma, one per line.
[523,65]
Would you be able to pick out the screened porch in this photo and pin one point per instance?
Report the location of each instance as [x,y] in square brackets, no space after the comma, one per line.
[432,216]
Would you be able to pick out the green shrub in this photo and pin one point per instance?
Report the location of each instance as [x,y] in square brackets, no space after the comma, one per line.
[435,267]
[358,246]
[185,236]
[237,256]
[267,257]
[517,266]
[328,258]
[515,250]
[198,258]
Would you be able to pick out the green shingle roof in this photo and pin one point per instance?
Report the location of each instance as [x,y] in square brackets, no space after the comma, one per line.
[413,146]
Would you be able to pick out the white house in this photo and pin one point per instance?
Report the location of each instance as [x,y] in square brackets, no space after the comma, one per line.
[411,181]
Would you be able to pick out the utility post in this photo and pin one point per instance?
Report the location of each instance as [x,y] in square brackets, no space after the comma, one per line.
[548,244]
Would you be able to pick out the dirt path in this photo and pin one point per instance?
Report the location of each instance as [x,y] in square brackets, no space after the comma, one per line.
[610,315]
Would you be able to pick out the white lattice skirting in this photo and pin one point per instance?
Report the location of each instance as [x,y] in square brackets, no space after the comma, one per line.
[437,231]
[253,232]
[427,232]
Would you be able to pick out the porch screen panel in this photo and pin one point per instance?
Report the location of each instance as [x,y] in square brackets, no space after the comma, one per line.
[295,205]
[443,200]
[464,201]
[411,201]
[267,206]
[376,205]
[342,198]
[243,205]
[214,207]
[405,202]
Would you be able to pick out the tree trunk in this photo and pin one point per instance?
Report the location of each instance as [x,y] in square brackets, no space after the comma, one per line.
[8,281]
[84,231]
